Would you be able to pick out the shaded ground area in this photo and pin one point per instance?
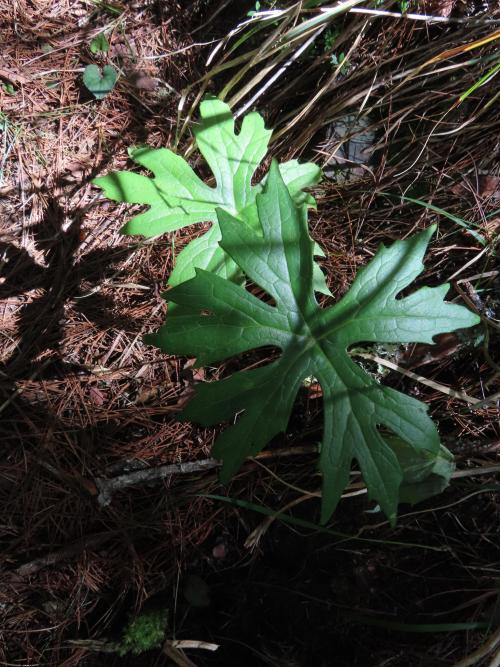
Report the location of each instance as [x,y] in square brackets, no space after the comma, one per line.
[82,398]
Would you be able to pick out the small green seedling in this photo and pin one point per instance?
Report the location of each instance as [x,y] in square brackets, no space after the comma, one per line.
[98,82]
[99,44]
[344,66]
[254,11]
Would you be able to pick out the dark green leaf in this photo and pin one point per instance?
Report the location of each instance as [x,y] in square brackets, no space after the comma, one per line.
[423,477]
[99,83]
[215,319]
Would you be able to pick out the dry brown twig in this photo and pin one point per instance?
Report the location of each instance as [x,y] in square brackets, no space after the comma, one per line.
[108,487]
[483,652]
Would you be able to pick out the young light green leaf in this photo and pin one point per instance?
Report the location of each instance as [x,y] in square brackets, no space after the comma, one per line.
[215,319]
[99,43]
[99,83]
[423,477]
[177,197]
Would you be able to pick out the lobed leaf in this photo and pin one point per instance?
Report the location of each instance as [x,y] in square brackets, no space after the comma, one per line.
[177,197]
[214,319]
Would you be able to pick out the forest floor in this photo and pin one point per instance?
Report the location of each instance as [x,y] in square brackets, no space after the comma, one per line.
[83,399]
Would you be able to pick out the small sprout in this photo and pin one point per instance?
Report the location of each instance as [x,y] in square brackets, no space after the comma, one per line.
[254,11]
[99,44]
[339,60]
[259,230]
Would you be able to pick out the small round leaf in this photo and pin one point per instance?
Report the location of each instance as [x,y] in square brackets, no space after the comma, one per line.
[99,83]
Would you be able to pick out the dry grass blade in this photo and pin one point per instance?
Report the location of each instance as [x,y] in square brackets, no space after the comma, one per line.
[271,51]
[281,37]
[483,652]
[419,378]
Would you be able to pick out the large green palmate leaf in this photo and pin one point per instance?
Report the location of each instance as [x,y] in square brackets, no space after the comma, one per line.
[215,319]
[177,197]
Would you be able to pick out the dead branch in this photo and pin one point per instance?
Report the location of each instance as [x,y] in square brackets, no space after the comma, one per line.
[67,552]
[107,487]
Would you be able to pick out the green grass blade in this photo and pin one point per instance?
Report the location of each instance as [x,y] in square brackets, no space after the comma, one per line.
[458,221]
[417,627]
[302,523]
[484,79]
